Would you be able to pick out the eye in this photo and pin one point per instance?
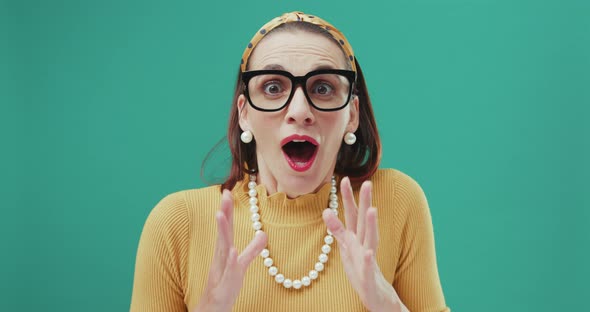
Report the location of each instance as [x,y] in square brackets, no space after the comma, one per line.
[273,87]
[322,88]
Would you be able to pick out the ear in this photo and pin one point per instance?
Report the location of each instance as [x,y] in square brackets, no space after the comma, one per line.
[242,112]
[353,122]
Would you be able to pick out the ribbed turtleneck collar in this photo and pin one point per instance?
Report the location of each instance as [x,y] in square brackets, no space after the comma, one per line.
[279,209]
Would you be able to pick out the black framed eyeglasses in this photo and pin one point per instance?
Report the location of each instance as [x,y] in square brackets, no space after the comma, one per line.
[272,90]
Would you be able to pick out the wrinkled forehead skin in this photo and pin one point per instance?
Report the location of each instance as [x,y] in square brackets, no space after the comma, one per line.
[297,53]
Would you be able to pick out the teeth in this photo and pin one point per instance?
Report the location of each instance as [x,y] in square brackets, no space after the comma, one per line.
[298,141]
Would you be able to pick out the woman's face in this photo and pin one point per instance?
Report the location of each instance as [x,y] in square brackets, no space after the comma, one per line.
[285,163]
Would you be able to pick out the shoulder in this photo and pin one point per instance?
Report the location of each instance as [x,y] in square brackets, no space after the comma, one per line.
[397,182]
[202,203]
[169,208]
[176,210]
[201,194]
[399,189]
[167,219]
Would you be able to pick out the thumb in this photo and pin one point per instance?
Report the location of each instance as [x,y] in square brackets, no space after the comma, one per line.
[253,249]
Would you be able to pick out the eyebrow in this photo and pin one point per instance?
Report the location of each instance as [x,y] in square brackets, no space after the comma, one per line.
[273,67]
[279,67]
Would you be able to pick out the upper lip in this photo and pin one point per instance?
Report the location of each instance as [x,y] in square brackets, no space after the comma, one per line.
[299,137]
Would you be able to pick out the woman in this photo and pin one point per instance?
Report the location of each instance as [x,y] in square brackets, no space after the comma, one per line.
[301,125]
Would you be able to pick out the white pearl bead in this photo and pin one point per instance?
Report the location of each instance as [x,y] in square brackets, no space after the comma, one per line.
[265,253]
[279,278]
[246,136]
[313,274]
[306,281]
[349,138]
[329,239]
[319,266]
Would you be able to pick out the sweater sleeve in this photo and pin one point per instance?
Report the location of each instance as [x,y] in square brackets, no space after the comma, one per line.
[417,281]
[161,258]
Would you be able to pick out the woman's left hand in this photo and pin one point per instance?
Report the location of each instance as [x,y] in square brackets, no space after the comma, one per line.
[358,243]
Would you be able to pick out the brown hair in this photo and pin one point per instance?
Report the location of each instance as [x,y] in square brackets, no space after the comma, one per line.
[358,161]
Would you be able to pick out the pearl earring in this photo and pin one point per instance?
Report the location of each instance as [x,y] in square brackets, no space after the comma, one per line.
[349,138]
[246,136]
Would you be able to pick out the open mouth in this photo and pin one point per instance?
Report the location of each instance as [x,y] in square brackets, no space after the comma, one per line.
[299,151]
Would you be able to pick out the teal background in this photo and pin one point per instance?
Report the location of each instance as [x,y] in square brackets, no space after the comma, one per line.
[107,106]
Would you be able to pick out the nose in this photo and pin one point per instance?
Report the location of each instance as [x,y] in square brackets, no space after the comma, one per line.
[299,110]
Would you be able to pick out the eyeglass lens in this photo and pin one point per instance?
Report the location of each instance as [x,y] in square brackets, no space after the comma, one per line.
[272,91]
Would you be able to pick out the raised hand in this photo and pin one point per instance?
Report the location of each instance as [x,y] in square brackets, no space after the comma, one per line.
[226,274]
[358,243]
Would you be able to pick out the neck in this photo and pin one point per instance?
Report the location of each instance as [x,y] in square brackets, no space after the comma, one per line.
[294,187]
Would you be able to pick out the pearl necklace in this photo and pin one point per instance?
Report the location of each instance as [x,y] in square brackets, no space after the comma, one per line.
[268,262]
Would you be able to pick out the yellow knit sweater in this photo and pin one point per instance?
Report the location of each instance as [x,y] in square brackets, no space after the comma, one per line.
[177,243]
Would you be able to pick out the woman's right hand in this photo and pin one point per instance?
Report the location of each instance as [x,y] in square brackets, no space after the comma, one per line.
[226,274]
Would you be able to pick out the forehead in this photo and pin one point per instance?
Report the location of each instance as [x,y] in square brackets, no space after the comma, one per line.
[298,52]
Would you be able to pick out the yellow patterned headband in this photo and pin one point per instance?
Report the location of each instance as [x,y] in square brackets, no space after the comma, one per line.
[298,17]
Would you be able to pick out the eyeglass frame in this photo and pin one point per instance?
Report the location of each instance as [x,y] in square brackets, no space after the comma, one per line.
[298,80]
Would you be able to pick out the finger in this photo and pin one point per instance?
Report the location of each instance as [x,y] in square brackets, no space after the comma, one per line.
[252,250]
[224,240]
[221,250]
[225,237]
[232,276]
[372,231]
[369,284]
[220,295]
[227,207]
[364,204]
[336,227]
[350,208]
